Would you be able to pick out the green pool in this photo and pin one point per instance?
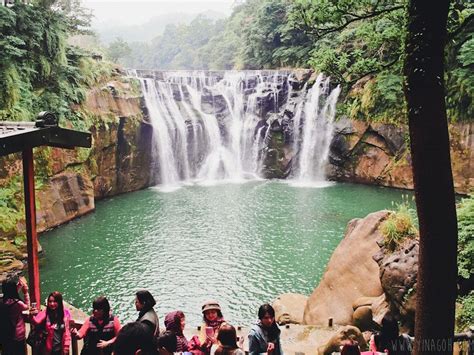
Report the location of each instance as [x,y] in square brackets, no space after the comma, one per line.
[243,244]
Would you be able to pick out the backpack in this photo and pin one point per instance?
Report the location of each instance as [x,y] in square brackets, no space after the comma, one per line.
[7,327]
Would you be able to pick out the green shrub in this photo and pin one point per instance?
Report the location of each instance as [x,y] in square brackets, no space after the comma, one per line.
[11,208]
[465,312]
[399,226]
[465,213]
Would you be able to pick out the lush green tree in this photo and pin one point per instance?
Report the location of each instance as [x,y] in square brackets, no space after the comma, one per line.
[38,70]
[118,50]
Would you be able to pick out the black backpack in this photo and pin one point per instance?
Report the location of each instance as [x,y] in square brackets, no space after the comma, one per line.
[7,327]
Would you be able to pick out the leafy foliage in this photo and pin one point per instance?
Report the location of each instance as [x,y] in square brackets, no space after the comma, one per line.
[38,70]
[465,212]
[118,49]
[10,199]
[465,314]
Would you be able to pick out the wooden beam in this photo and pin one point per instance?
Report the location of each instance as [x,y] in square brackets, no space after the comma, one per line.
[30,221]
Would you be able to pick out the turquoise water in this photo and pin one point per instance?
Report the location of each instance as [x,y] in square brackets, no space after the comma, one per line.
[242,244]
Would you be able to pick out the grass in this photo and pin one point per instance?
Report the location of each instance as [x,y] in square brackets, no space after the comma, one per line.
[399,226]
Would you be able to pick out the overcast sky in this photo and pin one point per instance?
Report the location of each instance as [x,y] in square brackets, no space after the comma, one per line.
[136,12]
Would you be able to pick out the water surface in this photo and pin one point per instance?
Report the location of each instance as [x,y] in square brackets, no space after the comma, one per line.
[242,244]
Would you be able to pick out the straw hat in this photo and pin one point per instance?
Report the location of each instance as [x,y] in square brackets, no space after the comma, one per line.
[211,304]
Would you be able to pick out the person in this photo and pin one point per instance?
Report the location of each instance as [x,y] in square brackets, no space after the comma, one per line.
[99,330]
[167,343]
[227,340]
[55,321]
[13,338]
[389,339]
[135,339]
[212,320]
[264,336]
[350,348]
[144,303]
[175,323]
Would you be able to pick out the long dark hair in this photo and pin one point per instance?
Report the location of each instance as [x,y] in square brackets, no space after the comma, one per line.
[273,331]
[351,348]
[264,309]
[102,303]
[145,298]
[132,337]
[227,337]
[388,334]
[56,316]
[9,290]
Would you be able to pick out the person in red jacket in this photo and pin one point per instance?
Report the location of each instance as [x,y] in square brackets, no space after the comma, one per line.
[100,330]
[55,322]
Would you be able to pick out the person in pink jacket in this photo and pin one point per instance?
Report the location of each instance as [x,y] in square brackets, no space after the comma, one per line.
[55,320]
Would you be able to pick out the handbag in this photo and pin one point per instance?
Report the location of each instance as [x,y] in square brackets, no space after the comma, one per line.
[37,337]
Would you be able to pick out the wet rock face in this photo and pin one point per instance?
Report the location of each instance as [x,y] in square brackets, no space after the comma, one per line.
[379,154]
[122,157]
[68,195]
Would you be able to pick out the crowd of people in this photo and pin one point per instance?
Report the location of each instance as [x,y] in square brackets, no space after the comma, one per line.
[52,328]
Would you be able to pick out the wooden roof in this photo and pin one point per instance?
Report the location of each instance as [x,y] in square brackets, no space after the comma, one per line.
[18,136]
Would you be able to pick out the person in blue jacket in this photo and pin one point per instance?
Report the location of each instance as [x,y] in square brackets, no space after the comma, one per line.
[264,336]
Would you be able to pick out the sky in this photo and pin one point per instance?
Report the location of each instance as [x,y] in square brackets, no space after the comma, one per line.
[122,12]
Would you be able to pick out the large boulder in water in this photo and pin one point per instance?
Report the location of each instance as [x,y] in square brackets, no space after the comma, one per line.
[351,273]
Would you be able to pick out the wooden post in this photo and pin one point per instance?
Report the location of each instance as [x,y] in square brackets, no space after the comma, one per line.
[30,221]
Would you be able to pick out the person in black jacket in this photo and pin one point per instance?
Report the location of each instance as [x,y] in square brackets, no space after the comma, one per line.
[144,303]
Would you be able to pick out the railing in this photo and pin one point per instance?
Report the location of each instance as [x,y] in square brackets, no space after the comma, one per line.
[467,339]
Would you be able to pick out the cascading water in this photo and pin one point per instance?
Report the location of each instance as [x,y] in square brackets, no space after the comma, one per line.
[217,126]
[313,129]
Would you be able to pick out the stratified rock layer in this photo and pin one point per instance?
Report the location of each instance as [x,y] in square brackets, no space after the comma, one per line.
[379,154]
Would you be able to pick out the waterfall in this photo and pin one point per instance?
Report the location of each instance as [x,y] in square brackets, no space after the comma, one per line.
[217,126]
[313,130]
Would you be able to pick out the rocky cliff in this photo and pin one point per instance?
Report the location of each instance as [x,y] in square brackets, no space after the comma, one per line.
[379,154]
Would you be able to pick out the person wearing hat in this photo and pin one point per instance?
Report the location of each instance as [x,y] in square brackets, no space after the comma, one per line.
[212,319]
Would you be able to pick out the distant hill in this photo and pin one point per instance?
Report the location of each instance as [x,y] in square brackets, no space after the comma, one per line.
[108,32]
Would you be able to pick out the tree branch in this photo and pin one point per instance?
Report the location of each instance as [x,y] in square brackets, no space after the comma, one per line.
[374,71]
[321,32]
[461,28]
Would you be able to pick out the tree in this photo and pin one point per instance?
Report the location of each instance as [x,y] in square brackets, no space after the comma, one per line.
[118,50]
[433,181]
